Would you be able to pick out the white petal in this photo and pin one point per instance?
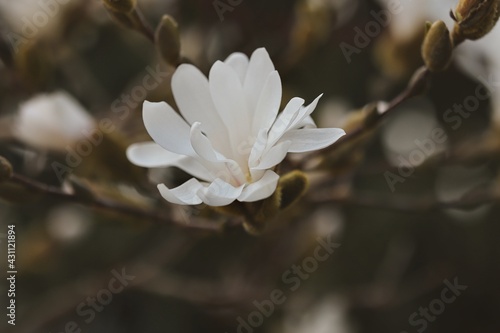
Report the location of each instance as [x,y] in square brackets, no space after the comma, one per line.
[227,169]
[239,63]
[229,98]
[257,174]
[285,118]
[261,189]
[201,144]
[304,113]
[258,148]
[152,155]
[167,128]
[259,68]
[308,122]
[219,193]
[186,194]
[268,104]
[290,120]
[274,156]
[304,140]
[192,95]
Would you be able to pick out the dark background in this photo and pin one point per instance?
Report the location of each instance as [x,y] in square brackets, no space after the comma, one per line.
[396,248]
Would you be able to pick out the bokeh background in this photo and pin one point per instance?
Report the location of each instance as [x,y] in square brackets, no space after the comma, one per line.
[397,244]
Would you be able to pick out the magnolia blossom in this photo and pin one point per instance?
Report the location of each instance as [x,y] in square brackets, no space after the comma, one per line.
[52,121]
[229,134]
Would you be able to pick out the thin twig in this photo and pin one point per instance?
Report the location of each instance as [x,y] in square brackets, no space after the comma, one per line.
[416,87]
[142,25]
[111,205]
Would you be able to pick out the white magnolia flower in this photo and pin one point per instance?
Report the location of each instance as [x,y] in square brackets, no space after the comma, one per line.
[52,121]
[230,136]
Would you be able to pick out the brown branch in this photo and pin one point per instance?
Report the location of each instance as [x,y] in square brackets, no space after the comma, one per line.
[416,87]
[142,25]
[111,205]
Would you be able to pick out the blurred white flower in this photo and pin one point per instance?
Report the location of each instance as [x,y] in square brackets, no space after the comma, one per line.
[328,316]
[52,121]
[408,138]
[68,223]
[230,135]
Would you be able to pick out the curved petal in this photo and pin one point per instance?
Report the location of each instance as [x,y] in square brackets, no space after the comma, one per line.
[285,118]
[239,63]
[290,120]
[308,122]
[261,189]
[186,194]
[192,94]
[259,68]
[167,128]
[268,104]
[304,140]
[219,193]
[258,148]
[304,113]
[227,168]
[257,174]
[274,156]
[230,101]
[152,155]
[201,144]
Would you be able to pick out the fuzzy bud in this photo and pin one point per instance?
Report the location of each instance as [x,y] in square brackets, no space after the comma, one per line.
[437,47]
[121,6]
[291,187]
[168,41]
[474,18]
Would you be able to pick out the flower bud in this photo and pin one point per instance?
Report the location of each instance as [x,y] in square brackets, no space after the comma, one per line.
[168,41]
[475,18]
[292,186]
[121,6]
[5,169]
[437,47]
